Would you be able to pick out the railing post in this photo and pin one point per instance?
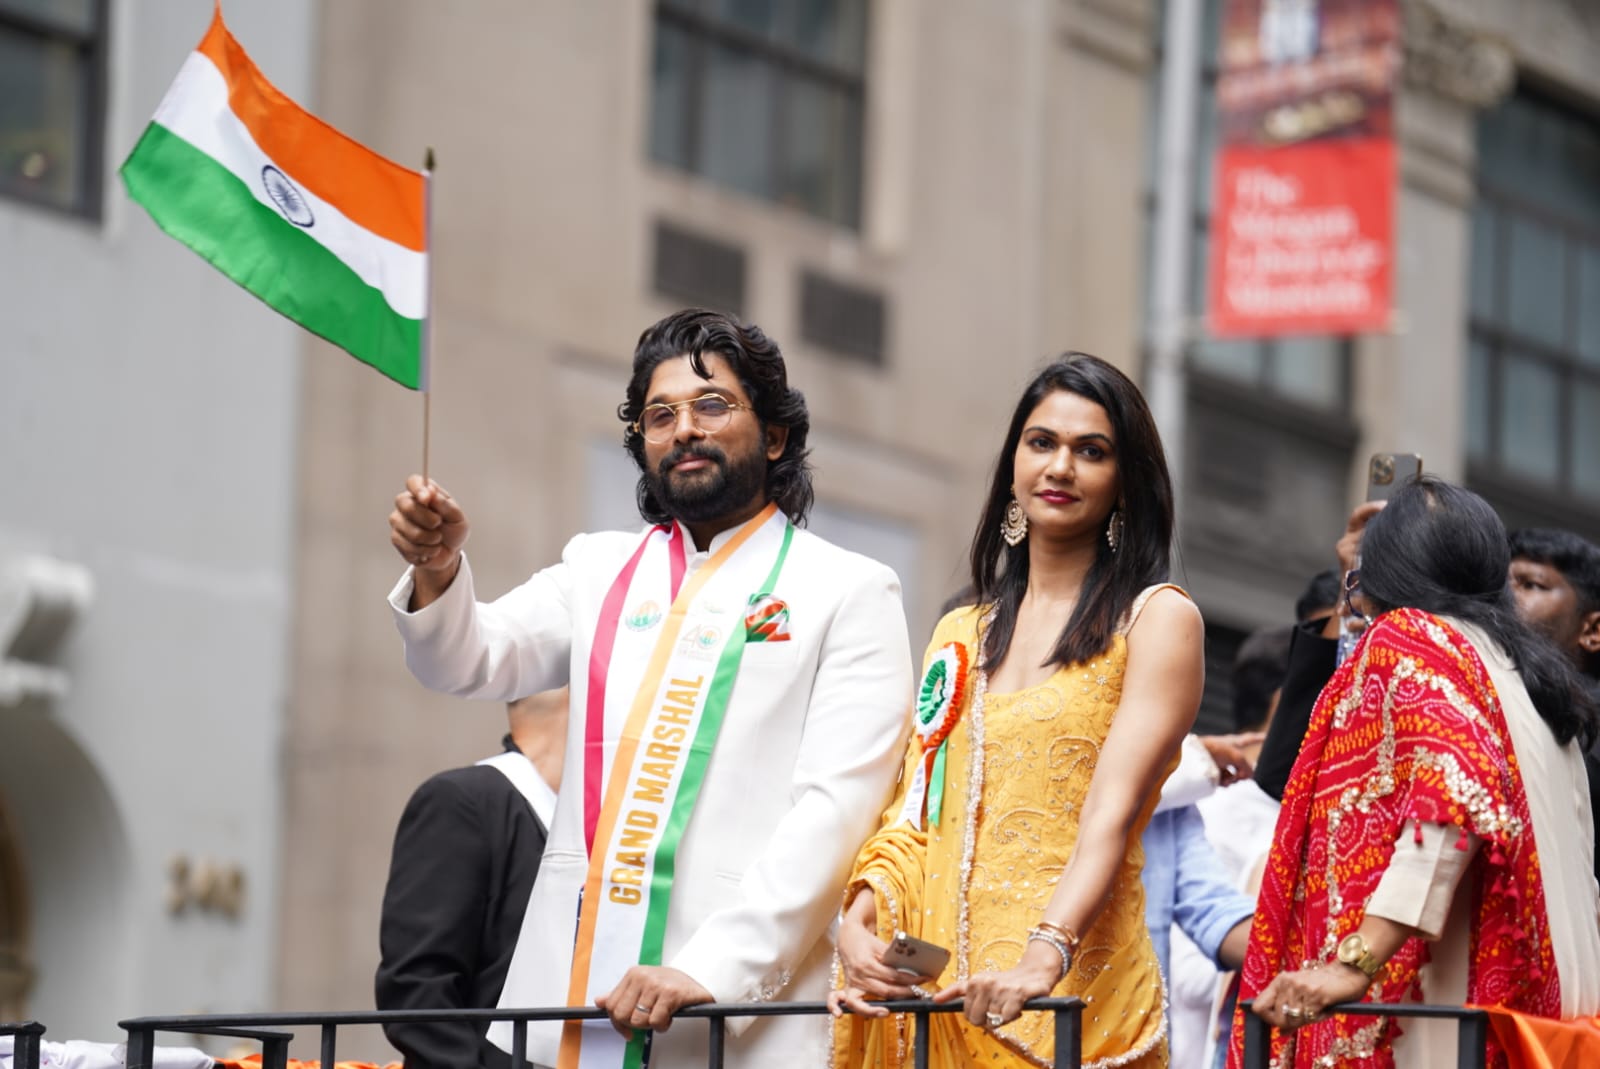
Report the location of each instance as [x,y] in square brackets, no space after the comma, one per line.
[274,1054]
[141,1048]
[519,1044]
[1069,1037]
[921,1057]
[1257,1037]
[25,1044]
[1472,1040]
[328,1041]
[719,1039]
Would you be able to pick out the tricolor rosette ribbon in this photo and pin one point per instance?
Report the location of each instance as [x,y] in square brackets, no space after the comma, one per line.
[939,702]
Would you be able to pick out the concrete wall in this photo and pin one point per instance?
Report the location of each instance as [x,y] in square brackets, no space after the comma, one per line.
[148,425]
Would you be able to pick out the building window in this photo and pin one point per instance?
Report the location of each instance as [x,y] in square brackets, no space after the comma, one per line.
[1533,412]
[699,269]
[845,318]
[765,97]
[1311,371]
[52,102]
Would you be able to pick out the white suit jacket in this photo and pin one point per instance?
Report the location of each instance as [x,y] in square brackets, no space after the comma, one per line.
[802,769]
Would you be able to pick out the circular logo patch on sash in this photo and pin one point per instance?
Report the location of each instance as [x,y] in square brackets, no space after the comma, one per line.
[644,616]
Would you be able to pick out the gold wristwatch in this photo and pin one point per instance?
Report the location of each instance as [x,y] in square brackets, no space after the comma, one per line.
[1353,950]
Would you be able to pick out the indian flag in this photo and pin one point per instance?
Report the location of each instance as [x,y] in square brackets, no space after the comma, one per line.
[318,226]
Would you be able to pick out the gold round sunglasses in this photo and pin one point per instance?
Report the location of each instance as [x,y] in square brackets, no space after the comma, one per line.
[710,412]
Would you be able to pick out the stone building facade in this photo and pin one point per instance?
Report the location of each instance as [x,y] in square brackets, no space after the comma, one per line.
[920,199]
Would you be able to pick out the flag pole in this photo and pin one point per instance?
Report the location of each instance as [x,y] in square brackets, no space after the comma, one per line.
[425,345]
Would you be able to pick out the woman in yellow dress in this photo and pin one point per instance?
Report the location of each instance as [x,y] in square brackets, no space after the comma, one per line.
[1049,714]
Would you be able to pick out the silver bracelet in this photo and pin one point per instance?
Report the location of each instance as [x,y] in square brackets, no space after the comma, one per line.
[1060,947]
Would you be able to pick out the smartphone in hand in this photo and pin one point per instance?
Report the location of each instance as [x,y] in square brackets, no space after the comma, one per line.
[915,957]
[1388,472]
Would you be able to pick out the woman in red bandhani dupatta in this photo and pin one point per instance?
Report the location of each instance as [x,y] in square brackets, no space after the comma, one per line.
[1435,842]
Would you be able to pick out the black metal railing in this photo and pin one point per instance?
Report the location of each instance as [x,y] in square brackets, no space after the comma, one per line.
[1473,1034]
[269,1028]
[25,1045]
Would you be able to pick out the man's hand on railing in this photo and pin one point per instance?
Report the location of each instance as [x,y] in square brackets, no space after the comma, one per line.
[648,996]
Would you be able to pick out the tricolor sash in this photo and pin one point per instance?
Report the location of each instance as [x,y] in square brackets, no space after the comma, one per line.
[667,678]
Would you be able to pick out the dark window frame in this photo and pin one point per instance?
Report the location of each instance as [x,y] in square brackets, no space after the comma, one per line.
[1502,343]
[847,319]
[791,64]
[92,48]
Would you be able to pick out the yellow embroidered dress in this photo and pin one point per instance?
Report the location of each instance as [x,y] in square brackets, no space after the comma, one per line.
[980,878]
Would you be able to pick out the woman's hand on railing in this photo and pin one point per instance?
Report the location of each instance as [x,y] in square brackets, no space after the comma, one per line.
[861,955]
[995,998]
[1295,999]
[854,1000]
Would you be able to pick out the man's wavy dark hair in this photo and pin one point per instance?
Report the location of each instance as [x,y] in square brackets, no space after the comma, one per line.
[758,364]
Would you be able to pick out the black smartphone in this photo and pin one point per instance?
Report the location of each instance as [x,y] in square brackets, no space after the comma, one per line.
[915,957]
[1388,472]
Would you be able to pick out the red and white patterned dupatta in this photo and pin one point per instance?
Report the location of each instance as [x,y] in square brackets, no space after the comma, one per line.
[1408,731]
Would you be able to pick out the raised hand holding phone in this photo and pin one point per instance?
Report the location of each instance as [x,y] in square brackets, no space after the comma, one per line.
[1386,473]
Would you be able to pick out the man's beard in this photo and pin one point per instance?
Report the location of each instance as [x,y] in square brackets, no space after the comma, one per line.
[710,493]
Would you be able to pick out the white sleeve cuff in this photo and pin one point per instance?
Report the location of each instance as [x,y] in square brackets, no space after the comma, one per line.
[1196,776]
[1420,883]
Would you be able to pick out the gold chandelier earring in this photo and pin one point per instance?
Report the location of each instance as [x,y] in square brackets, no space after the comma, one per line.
[1114,529]
[1014,526]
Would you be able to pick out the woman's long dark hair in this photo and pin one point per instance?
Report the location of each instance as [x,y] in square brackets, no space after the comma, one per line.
[1441,548]
[1114,580]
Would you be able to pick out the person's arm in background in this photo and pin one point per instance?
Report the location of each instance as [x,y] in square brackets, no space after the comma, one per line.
[1208,909]
[432,923]
[1205,763]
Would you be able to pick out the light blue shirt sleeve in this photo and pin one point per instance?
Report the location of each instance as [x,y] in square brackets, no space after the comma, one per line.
[1160,877]
[1205,904]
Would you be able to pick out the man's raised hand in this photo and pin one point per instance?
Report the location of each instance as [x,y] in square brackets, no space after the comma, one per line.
[427,528]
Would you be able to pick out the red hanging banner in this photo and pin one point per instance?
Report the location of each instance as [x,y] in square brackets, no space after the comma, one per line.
[1302,235]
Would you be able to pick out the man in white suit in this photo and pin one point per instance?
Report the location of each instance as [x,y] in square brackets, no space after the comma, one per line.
[740,693]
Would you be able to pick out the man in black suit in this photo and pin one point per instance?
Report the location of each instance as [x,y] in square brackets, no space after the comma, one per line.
[464,861]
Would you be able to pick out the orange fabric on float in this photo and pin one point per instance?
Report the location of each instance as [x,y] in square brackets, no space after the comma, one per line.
[254,1062]
[1542,1043]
